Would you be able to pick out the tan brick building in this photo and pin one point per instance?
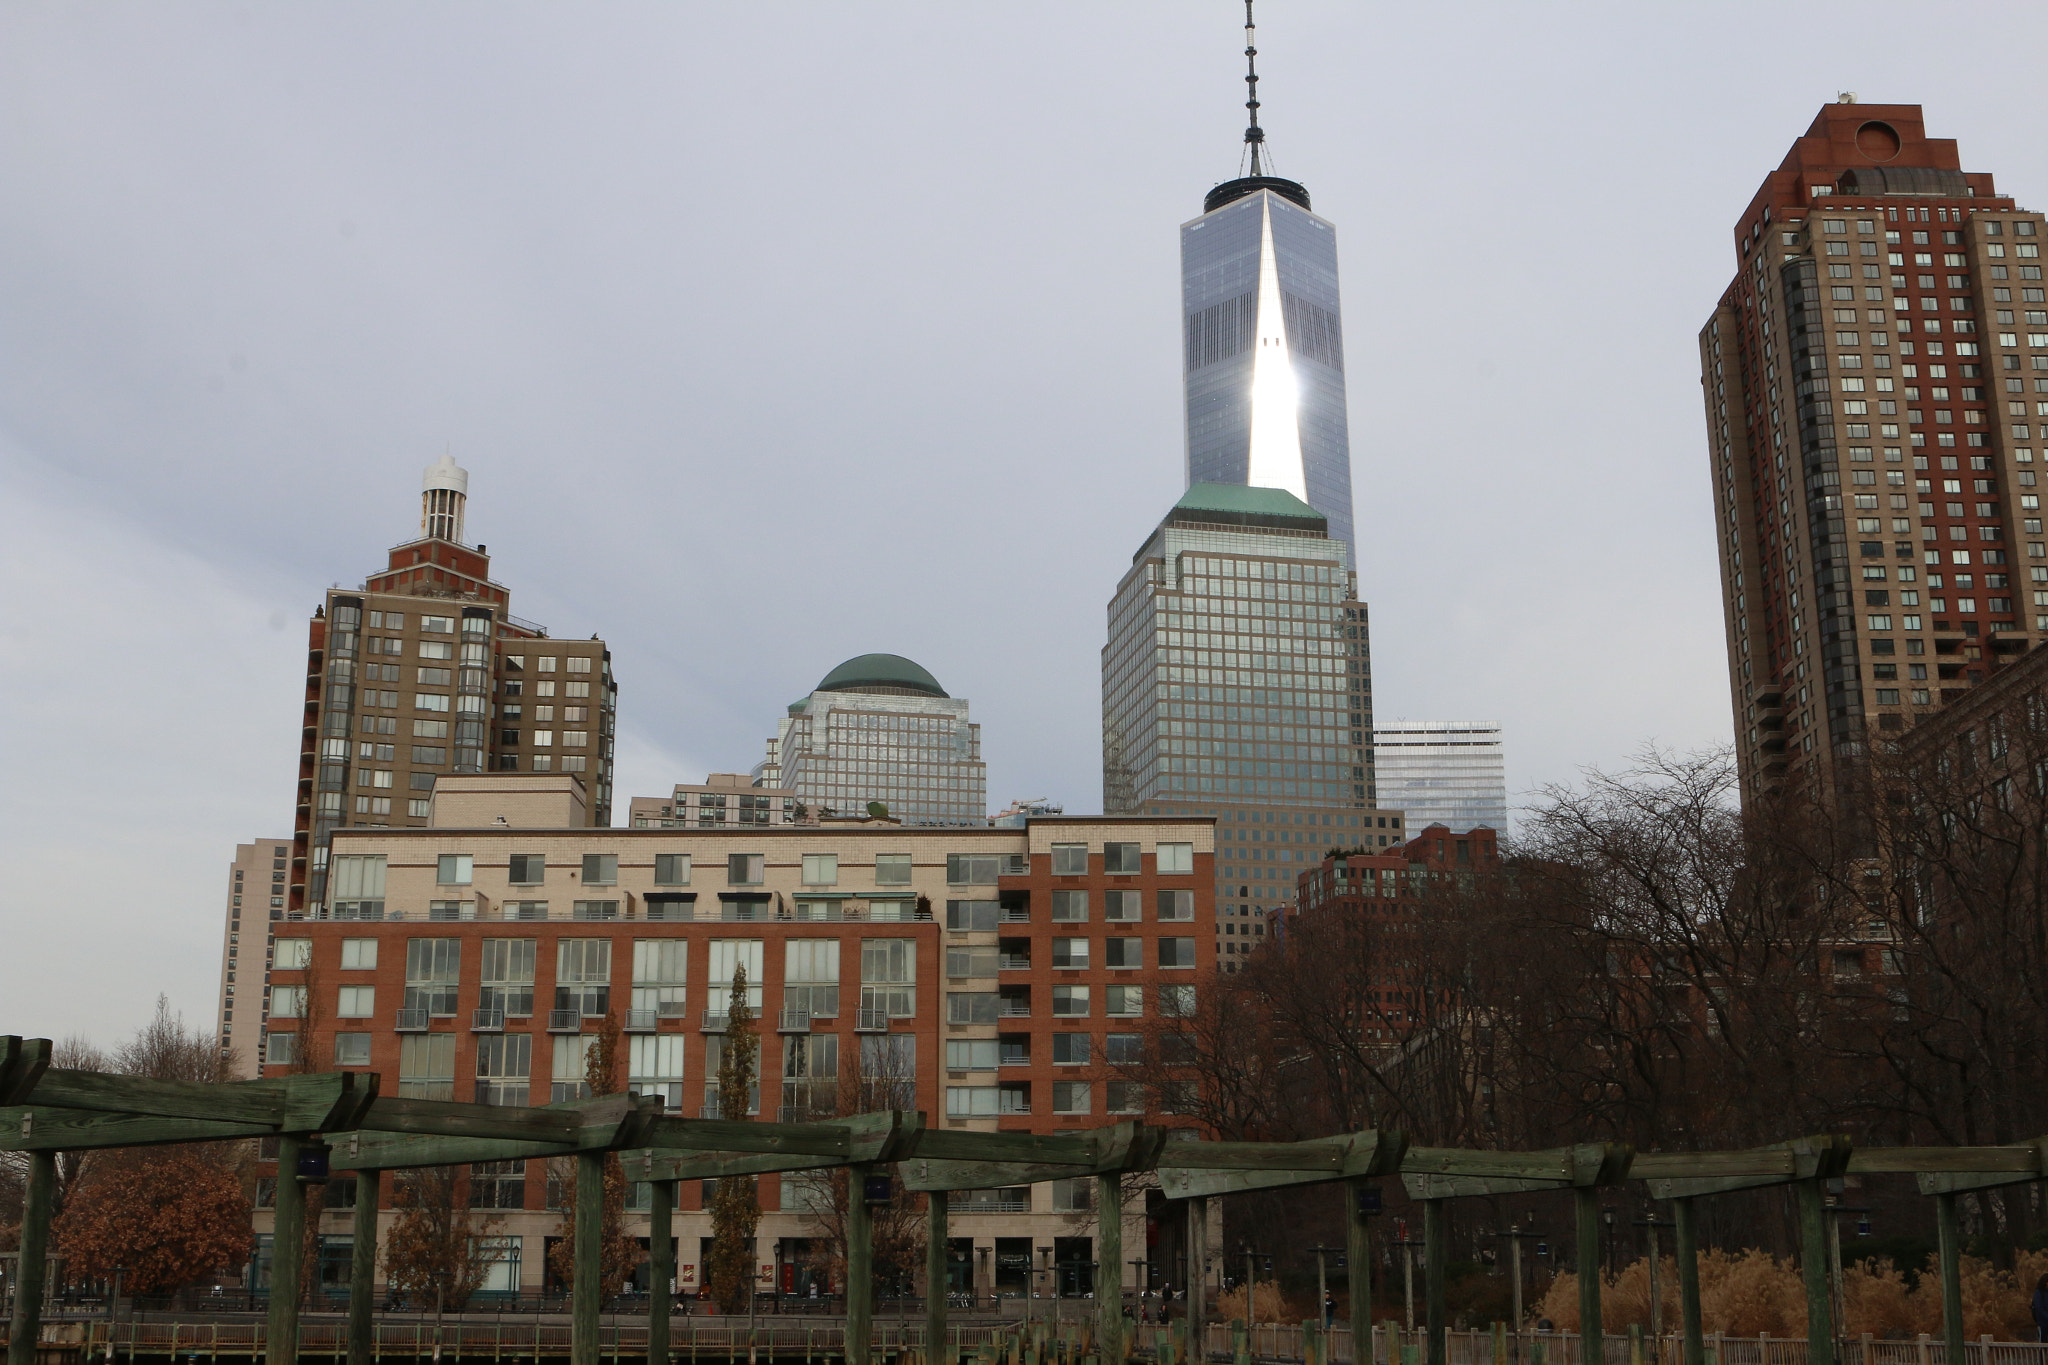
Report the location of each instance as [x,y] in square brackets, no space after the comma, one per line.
[256,887]
[995,978]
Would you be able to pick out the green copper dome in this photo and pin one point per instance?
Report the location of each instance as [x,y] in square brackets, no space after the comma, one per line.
[889,673]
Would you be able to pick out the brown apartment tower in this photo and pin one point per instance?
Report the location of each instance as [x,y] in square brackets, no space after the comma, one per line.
[1876,384]
[423,671]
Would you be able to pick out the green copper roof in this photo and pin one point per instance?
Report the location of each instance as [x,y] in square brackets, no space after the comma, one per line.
[881,670]
[1236,497]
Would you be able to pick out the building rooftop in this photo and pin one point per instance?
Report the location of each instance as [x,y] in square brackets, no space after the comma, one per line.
[887,673]
[1236,504]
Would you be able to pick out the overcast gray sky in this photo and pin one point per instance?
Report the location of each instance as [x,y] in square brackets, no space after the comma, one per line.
[776,333]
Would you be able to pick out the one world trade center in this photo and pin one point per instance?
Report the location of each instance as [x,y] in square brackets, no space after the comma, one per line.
[1263,341]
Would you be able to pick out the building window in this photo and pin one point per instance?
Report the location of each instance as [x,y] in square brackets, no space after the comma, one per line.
[660,970]
[1122,907]
[1070,1049]
[971,1054]
[1125,1097]
[1070,1002]
[1176,1002]
[498,1185]
[972,869]
[888,976]
[744,869]
[433,966]
[504,1068]
[1123,1002]
[821,869]
[1070,860]
[671,869]
[292,954]
[1123,952]
[356,1002]
[507,976]
[1070,907]
[527,869]
[287,1002]
[600,869]
[583,976]
[280,1049]
[1123,859]
[426,1066]
[455,869]
[1070,952]
[1071,1097]
[727,956]
[1176,905]
[351,1049]
[1176,859]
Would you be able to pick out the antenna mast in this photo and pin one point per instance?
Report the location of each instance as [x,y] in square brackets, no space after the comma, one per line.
[1254,136]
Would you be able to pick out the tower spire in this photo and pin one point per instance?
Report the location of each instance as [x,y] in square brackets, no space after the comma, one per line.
[1254,135]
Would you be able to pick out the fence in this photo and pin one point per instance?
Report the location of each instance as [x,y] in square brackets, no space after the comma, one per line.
[1400,1346]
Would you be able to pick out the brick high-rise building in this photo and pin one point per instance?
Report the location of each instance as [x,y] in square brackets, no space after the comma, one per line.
[1876,384]
[424,671]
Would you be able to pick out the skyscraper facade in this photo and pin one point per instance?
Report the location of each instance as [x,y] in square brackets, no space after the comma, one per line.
[1264,347]
[256,888]
[880,728]
[1876,384]
[1237,682]
[1443,772]
[423,671]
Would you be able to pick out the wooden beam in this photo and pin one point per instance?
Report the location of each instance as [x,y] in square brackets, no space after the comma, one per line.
[936,1289]
[1685,1244]
[660,1165]
[396,1152]
[661,1268]
[37,1129]
[744,1135]
[362,1269]
[1199,1169]
[1762,1161]
[22,1063]
[1813,1272]
[941,1144]
[860,1269]
[446,1118]
[1808,1158]
[1109,1265]
[287,1256]
[38,1205]
[586,1292]
[2016,1160]
[1426,1186]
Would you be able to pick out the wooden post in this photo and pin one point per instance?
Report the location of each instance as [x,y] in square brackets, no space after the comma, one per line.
[287,1242]
[936,1208]
[661,1267]
[1950,1249]
[35,1249]
[1358,1268]
[1685,1242]
[1436,1258]
[586,1291]
[1586,1204]
[860,1267]
[1813,1272]
[362,1267]
[1198,1274]
[1109,1266]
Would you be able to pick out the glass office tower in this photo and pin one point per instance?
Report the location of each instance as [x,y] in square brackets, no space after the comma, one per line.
[1264,347]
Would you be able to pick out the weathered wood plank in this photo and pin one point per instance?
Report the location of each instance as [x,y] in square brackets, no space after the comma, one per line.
[448,1118]
[920,1173]
[1958,1182]
[261,1102]
[882,1136]
[1686,1188]
[396,1151]
[1316,1154]
[1957,1160]
[22,1063]
[1709,1165]
[941,1144]
[740,1135]
[1184,1182]
[1556,1164]
[1424,1185]
[32,1128]
[659,1165]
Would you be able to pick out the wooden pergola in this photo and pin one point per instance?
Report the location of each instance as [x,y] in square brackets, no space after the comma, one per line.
[44,1110]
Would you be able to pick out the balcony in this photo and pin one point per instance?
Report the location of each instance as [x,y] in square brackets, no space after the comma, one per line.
[1010,916]
[412,1021]
[487,1021]
[672,1009]
[793,1019]
[715,1021]
[871,1021]
[1014,962]
[565,1021]
[641,1021]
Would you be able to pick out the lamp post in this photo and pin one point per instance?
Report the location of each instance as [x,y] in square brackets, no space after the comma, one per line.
[1516,1234]
[1650,1222]
[1832,1202]
[1325,1307]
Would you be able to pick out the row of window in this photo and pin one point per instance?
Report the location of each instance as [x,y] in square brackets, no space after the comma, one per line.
[1068,1097]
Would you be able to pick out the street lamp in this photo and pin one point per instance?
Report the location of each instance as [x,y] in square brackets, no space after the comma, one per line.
[1651,1222]
[1324,1304]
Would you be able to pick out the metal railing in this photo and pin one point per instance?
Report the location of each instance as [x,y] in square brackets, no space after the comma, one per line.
[641,1021]
[487,1021]
[715,1021]
[793,1019]
[411,1021]
[870,1021]
[565,1021]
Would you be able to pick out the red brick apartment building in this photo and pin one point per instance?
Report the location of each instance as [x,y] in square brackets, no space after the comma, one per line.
[998,979]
